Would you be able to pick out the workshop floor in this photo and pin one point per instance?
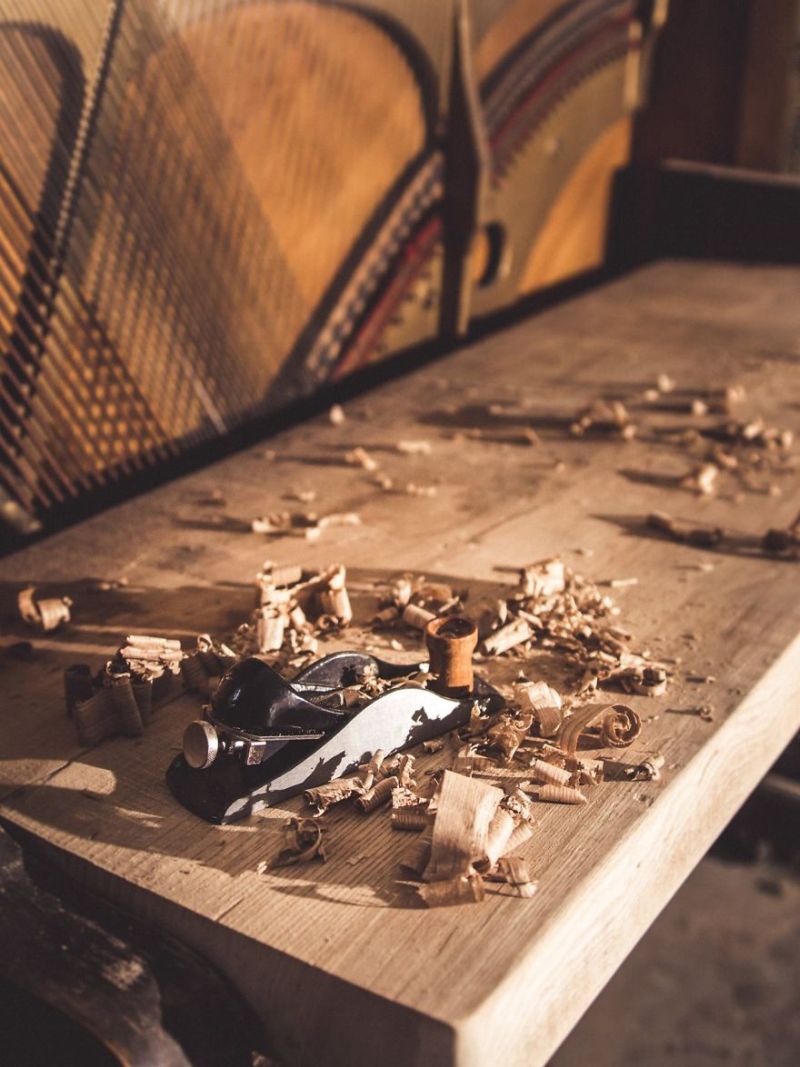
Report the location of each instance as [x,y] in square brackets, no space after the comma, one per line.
[715,981]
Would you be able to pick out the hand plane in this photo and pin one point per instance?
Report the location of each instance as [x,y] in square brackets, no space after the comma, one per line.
[265,739]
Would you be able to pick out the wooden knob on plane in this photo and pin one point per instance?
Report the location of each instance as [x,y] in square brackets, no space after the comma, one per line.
[451,640]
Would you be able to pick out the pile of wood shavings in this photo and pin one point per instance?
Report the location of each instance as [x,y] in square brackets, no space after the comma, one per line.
[294,606]
[555,608]
[473,816]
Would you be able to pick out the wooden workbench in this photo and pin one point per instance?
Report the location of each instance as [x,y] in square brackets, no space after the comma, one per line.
[338,959]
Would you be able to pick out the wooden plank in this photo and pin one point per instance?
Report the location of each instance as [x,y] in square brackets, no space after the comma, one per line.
[334,959]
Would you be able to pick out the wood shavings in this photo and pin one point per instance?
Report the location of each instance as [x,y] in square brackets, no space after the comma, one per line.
[701,536]
[322,797]
[513,877]
[383,481]
[556,609]
[586,771]
[359,457]
[377,796]
[115,706]
[555,794]
[368,772]
[665,384]
[303,843]
[605,418]
[702,479]
[292,607]
[506,734]
[649,770]
[543,772]
[336,415]
[650,681]
[417,856]
[150,657]
[418,617]
[464,889]
[339,518]
[203,667]
[620,583]
[409,819]
[302,524]
[467,762]
[304,496]
[270,629]
[412,489]
[498,835]
[782,543]
[404,770]
[45,614]
[434,745]
[414,448]
[546,578]
[545,703]
[465,810]
[404,797]
[619,726]
[507,637]
[702,711]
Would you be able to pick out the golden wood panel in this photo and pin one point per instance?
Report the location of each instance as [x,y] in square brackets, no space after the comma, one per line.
[573,237]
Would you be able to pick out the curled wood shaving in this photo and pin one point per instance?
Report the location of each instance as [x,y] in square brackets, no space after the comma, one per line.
[619,726]
[701,536]
[468,763]
[507,733]
[409,819]
[46,614]
[417,856]
[415,448]
[336,415]
[586,771]
[322,797]
[499,834]
[463,889]
[508,637]
[649,770]
[380,794]
[434,745]
[369,771]
[702,479]
[305,496]
[604,417]
[546,578]
[418,617]
[359,457]
[118,706]
[500,773]
[514,877]
[460,830]
[545,703]
[303,843]
[293,608]
[554,794]
[540,771]
[646,680]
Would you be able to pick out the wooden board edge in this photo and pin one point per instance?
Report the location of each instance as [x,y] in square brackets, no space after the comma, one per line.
[606,919]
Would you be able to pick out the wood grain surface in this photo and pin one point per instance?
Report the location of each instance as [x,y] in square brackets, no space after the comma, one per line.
[339,960]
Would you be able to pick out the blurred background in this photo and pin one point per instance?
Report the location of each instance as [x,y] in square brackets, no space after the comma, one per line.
[211,210]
